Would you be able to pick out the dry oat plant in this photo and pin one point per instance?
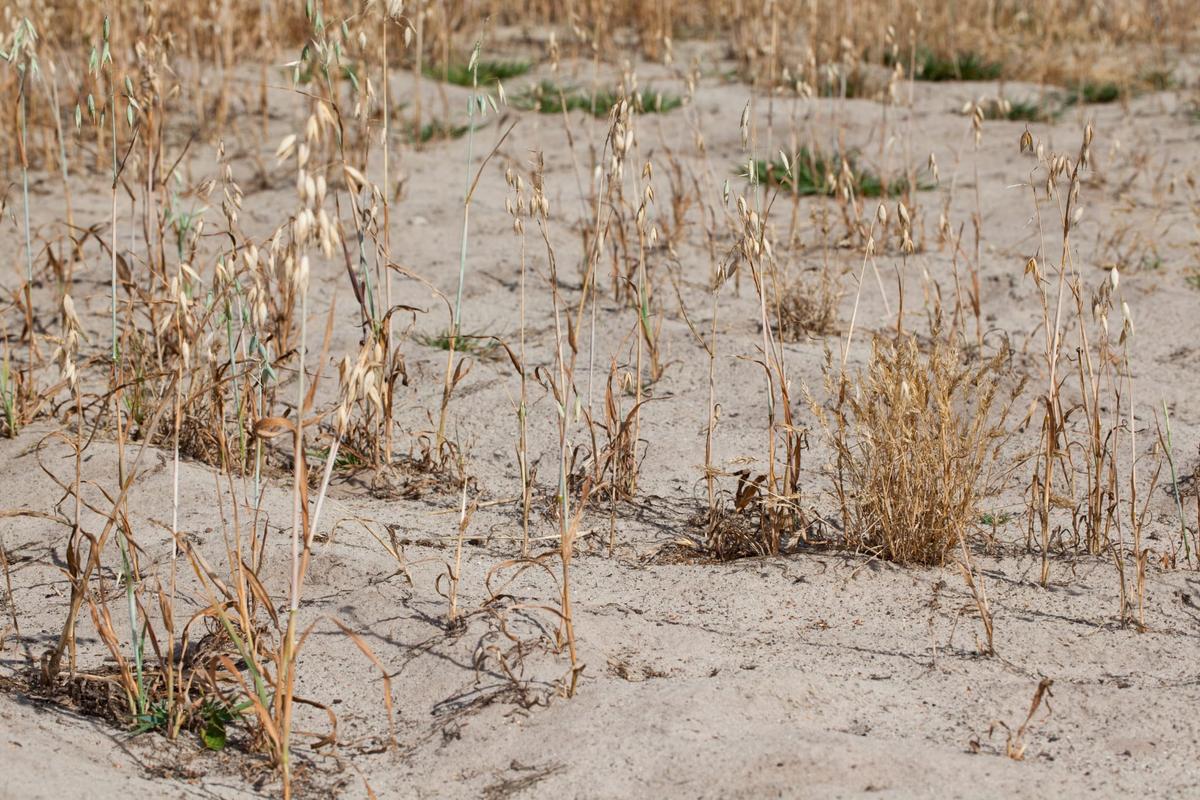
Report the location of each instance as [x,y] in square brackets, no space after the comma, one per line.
[600,398]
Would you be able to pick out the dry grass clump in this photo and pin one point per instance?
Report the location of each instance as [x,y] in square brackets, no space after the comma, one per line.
[914,435]
[808,306]
[754,521]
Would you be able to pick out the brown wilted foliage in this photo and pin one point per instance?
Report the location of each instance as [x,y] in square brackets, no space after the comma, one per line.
[914,436]
[808,306]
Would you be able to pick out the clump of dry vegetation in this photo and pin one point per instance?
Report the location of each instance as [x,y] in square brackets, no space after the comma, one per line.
[809,306]
[916,436]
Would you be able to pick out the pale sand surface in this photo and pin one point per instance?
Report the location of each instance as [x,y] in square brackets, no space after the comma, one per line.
[816,674]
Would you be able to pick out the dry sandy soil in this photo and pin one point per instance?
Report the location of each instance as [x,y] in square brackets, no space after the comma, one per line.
[820,673]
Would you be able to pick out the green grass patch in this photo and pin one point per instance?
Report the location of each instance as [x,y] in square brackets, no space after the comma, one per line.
[345,458]
[1092,93]
[489,72]
[435,130]
[1101,92]
[1020,111]
[813,174]
[965,66]
[480,345]
[550,98]
[1025,111]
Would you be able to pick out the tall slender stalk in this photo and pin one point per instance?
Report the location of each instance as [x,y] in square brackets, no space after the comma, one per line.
[456,321]
[389,339]
[21,54]
[1170,453]
[299,535]
[105,66]
[22,113]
